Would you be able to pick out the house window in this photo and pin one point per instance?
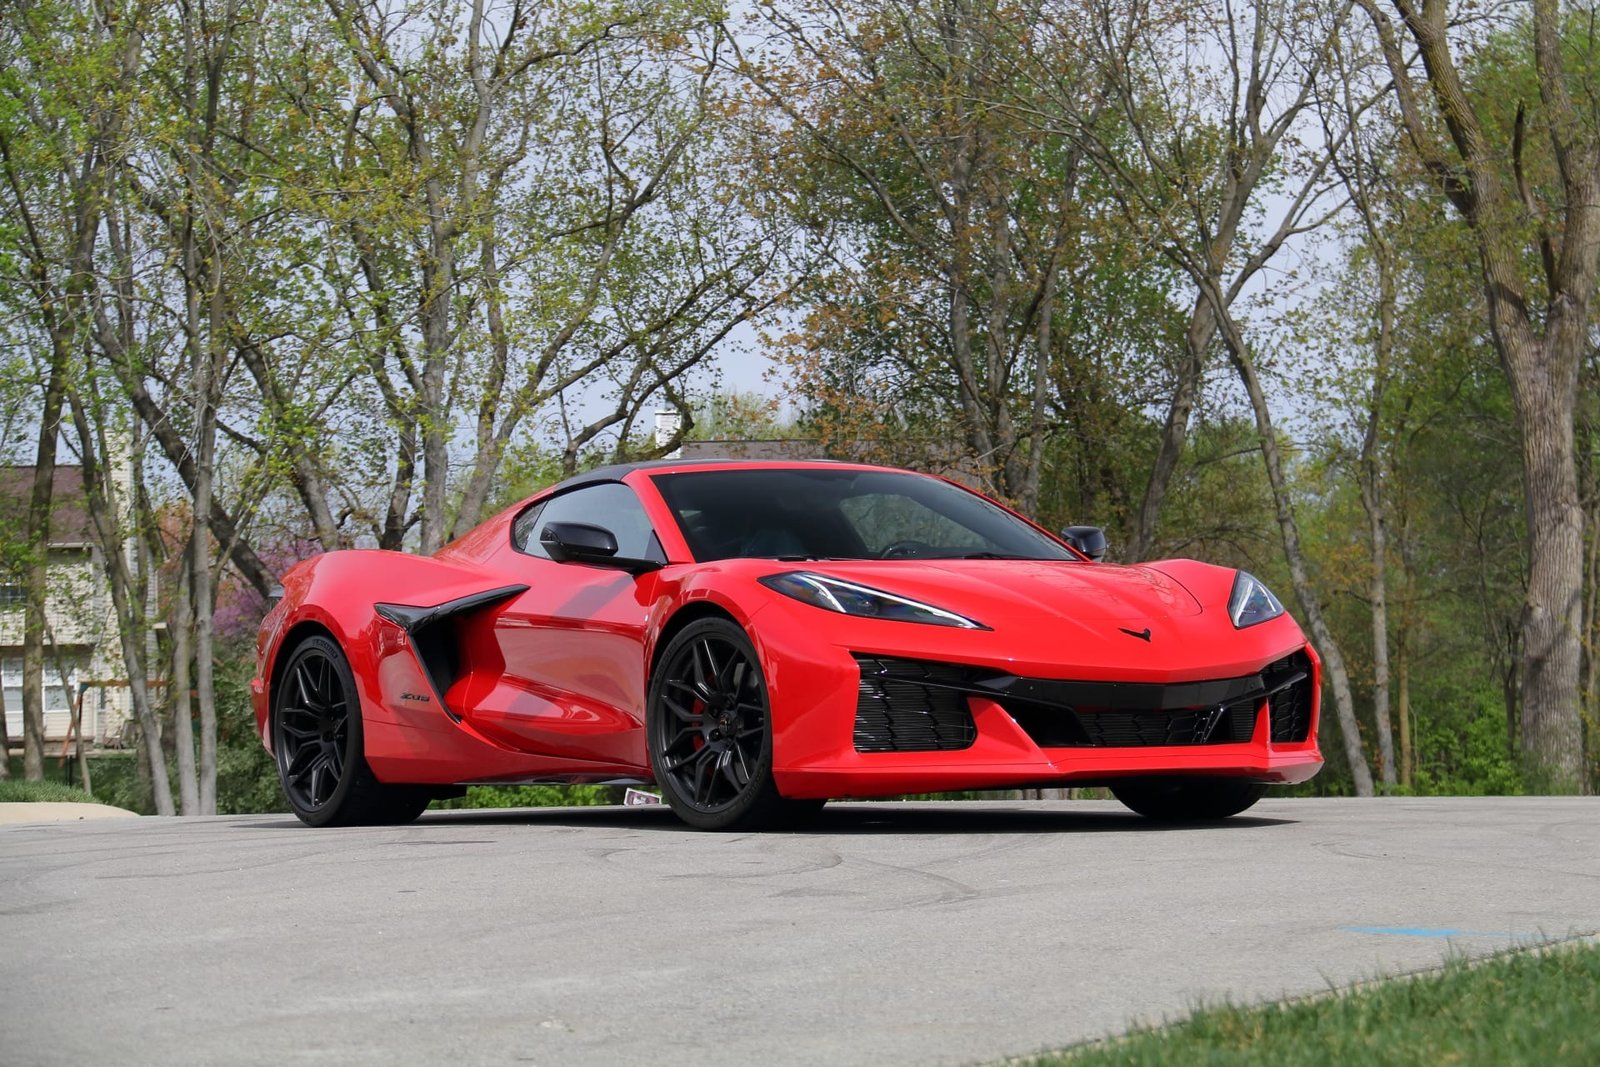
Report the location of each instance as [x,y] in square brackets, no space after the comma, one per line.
[12,596]
[58,700]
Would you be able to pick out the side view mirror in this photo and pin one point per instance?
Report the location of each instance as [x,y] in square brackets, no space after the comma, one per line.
[580,542]
[1090,540]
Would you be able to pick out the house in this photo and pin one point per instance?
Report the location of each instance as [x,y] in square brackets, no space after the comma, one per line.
[83,654]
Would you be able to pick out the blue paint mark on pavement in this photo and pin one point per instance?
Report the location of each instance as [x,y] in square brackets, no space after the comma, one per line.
[1438,932]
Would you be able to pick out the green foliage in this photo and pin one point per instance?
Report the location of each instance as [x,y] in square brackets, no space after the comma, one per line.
[15,791]
[960,221]
[1526,1009]
[533,796]
[247,778]
[740,416]
[1462,745]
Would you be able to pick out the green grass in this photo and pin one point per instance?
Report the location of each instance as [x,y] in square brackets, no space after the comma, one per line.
[1525,1009]
[19,792]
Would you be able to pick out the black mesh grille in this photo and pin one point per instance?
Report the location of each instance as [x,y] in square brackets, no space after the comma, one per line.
[1059,727]
[1291,706]
[911,706]
[1128,729]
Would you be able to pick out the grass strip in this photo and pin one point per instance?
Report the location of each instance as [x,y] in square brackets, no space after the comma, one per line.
[1536,1008]
[15,791]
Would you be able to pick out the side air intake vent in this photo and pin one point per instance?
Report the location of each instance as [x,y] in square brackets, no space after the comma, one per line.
[1291,703]
[434,640]
[910,706]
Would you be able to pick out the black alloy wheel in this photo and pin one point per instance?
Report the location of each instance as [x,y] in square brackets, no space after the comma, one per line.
[1180,800]
[317,741]
[710,731]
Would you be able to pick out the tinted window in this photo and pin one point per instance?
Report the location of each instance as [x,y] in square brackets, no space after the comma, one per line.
[610,505]
[843,514]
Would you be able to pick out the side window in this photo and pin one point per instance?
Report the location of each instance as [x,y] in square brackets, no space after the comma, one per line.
[611,505]
[525,531]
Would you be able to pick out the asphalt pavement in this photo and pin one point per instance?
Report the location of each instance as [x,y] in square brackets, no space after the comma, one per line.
[886,934]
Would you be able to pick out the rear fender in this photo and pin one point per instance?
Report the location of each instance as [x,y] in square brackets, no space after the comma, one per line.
[340,593]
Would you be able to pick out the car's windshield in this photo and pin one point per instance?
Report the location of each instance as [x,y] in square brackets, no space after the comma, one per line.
[815,513]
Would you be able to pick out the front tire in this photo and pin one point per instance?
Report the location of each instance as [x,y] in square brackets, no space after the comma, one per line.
[1188,800]
[317,744]
[709,728]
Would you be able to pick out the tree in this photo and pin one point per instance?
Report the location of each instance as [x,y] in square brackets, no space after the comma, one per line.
[1216,101]
[57,148]
[505,210]
[1539,316]
[959,230]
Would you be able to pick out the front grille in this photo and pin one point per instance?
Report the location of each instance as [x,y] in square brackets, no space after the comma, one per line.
[915,706]
[1291,704]
[1128,729]
[910,706]
[1064,727]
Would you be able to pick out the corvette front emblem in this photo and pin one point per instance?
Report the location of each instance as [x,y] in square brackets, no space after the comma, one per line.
[1143,635]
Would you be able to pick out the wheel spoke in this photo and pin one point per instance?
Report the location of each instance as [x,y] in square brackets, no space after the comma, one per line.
[300,733]
[701,687]
[726,766]
[324,667]
[713,671]
[307,687]
[703,778]
[679,710]
[693,757]
[301,762]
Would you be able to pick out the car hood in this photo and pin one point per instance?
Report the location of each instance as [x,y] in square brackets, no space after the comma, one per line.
[990,590]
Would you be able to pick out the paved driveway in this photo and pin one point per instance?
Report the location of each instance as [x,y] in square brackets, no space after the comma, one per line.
[888,934]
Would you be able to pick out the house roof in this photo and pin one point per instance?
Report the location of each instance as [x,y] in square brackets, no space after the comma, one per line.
[753,449]
[69,516]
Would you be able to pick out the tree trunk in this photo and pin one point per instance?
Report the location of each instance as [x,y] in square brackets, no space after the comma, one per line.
[1372,502]
[1552,731]
[5,738]
[1191,366]
[178,692]
[36,581]
[207,371]
[1591,644]
[1305,592]
[1539,352]
[75,724]
[1402,651]
[1402,657]
[130,624]
[1378,594]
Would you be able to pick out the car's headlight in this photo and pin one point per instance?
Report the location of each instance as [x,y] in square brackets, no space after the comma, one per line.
[848,598]
[1252,601]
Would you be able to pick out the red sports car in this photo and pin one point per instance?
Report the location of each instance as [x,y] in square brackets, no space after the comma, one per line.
[756,638]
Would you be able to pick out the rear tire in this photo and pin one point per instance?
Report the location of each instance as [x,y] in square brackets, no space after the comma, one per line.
[1180,800]
[318,747]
